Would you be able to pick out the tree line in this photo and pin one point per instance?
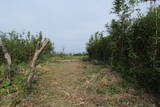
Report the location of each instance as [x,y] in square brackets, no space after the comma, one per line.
[132,44]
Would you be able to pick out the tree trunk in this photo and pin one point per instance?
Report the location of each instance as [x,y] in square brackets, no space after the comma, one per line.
[33,63]
[8,59]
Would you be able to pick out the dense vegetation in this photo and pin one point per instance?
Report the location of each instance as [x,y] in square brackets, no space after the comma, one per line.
[132,45]
[21,47]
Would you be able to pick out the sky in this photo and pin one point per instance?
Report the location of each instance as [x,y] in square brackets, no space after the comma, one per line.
[68,23]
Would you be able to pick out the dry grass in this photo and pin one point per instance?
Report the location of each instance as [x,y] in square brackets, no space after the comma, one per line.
[80,84]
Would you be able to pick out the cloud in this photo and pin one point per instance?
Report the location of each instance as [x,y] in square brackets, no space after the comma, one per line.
[69,23]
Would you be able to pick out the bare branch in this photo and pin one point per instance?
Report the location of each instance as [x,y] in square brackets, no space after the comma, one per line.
[33,63]
[7,57]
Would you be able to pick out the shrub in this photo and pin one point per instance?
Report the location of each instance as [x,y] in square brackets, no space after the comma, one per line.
[135,52]
[22,46]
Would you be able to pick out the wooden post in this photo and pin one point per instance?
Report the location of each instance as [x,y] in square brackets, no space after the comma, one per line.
[33,63]
[7,57]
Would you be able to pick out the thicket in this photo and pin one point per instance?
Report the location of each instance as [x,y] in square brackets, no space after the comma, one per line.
[21,47]
[132,45]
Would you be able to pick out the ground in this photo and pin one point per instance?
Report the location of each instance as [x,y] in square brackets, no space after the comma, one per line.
[74,83]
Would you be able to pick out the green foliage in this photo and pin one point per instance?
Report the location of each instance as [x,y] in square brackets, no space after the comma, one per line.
[6,84]
[14,85]
[22,46]
[19,81]
[108,89]
[101,91]
[132,46]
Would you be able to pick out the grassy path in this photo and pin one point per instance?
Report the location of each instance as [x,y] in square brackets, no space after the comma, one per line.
[73,83]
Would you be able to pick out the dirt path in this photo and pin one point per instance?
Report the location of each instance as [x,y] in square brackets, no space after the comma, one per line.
[73,83]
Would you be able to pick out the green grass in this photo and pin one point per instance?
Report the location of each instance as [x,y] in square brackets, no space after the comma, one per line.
[109,89]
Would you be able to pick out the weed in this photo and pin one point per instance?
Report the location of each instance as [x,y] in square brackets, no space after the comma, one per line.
[101,91]
[124,84]
[113,89]
[108,89]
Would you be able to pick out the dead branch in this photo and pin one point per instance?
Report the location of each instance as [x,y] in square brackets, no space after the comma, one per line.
[33,63]
[7,57]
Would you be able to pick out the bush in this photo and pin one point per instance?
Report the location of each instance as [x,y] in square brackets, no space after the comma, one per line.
[135,53]
[22,46]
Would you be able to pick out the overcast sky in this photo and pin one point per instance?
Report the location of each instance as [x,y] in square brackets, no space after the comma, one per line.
[68,23]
